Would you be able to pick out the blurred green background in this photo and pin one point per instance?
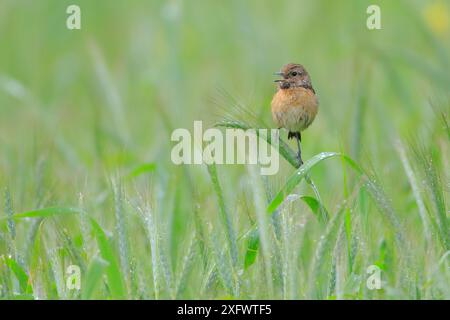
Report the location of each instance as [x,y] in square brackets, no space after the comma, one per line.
[85,122]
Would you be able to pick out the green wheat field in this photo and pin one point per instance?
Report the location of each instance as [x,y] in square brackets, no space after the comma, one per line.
[92,206]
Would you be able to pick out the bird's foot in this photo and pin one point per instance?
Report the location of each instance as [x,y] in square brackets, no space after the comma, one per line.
[299,160]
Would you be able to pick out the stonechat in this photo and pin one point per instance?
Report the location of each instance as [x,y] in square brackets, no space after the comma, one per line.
[295,104]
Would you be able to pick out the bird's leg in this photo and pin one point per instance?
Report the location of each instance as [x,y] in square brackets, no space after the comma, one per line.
[299,154]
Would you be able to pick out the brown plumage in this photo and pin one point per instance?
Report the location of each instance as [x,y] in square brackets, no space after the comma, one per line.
[294,105]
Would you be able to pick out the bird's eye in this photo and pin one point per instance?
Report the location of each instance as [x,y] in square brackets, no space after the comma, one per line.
[294,74]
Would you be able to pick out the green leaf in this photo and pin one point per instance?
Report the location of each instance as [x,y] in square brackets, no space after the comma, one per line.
[45,212]
[297,177]
[316,208]
[144,168]
[252,248]
[21,275]
[93,277]
[253,235]
[374,189]
[314,204]
[115,280]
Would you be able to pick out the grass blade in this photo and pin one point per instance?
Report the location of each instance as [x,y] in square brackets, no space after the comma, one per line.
[225,217]
[143,168]
[46,212]
[297,177]
[326,244]
[115,280]
[316,208]
[21,275]
[93,277]
[186,268]
[415,189]
[10,214]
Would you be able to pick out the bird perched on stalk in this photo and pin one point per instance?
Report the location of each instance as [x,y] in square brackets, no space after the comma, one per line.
[295,104]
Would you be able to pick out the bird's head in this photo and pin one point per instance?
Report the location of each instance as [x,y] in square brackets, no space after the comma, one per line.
[293,75]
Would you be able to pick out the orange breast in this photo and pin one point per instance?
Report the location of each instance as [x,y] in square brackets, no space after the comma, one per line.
[294,109]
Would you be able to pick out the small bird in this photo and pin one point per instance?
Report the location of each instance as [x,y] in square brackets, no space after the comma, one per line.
[295,104]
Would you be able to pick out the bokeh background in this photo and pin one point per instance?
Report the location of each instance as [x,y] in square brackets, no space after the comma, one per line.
[85,123]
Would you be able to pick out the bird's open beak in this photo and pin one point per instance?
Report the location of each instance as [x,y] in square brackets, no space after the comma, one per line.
[281,74]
